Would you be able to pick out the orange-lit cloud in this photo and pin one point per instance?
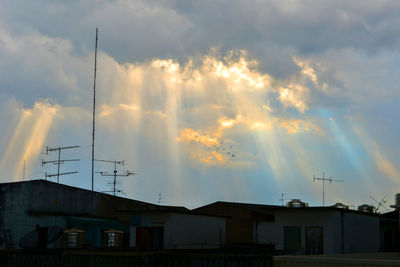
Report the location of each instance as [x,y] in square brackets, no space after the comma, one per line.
[211,158]
[227,123]
[189,135]
[203,101]
[294,95]
[129,107]
[295,126]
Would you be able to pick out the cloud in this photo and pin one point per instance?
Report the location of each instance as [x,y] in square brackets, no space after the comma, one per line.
[190,135]
[262,76]
[142,30]
[38,67]
[294,96]
[28,138]
[306,69]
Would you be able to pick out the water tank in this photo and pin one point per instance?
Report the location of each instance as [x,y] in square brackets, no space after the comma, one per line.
[339,205]
[73,238]
[113,238]
[397,199]
[296,203]
[366,208]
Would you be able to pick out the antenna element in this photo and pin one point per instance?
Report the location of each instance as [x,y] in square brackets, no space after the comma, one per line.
[323,179]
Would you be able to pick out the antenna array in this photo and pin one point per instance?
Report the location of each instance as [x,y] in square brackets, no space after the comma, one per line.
[115,174]
[58,162]
[380,204]
[282,199]
[323,179]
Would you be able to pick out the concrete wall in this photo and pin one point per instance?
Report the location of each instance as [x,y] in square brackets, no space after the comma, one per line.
[240,225]
[48,197]
[303,218]
[23,205]
[185,231]
[360,232]
[15,201]
[266,233]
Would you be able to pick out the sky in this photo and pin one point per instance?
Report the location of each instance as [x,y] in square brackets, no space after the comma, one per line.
[205,100]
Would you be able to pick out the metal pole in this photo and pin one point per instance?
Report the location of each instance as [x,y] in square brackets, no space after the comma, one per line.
[58,165]
[94,106]
[115,175]
[323,179]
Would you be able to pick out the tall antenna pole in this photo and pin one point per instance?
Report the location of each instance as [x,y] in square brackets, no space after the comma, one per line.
[323,179]
[58,166]
[94,106]
[282,199]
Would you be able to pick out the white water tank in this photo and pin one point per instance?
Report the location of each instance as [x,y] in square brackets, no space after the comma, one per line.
[73,238]
[296,203]
[113,238]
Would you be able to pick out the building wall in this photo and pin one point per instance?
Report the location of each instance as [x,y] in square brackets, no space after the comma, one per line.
[23,205]
[360,232]
[185,231]
[239,229]
[303,218]
[266,233]
[14,213]
[240,222]
[48,197]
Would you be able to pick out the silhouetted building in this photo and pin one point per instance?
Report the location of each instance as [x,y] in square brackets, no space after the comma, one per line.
[302,230]
[38,211]
[389,228]
[172,230]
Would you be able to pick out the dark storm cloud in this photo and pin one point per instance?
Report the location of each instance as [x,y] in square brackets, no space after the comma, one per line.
[138,30]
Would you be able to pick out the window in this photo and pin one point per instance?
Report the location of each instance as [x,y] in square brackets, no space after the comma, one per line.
[292,238]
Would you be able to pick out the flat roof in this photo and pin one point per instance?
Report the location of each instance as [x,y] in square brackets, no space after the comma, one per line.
[72,188]
[271,208]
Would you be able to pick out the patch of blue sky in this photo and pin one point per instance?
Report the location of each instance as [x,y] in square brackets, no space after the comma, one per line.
[344,137]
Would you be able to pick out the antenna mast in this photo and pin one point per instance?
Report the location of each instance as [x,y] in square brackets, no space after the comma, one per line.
[58,162]
[94,106]
[380,203]
[323,179]
[282,199]
[115,173]
[160,198]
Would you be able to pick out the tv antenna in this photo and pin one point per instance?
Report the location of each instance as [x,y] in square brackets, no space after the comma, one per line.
[160,198]
[380,203]
[58,162]
[282,199]
[323,179]
[115,174]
